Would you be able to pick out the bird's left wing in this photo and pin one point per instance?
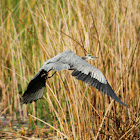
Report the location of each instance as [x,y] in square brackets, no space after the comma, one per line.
[94,77]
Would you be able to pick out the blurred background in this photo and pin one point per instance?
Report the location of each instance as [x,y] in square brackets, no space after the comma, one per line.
[33,31]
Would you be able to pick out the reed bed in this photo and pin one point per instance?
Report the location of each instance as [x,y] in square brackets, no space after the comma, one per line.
[33,31]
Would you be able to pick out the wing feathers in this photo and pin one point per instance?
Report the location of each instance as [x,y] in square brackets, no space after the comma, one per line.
[75,73]
[105,88]
[35,88]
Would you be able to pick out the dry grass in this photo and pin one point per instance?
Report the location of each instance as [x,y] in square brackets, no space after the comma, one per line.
[32,32]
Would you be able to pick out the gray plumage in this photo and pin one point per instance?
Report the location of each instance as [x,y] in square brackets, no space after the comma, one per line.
[82,70]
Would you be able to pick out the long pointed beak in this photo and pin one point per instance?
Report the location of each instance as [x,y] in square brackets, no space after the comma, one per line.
[94,57]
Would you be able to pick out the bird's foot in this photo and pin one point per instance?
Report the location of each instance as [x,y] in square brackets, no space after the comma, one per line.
[52,75]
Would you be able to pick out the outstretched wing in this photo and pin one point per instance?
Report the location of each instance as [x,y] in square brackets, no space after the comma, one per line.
[96,79]
[89,74]
[35,88]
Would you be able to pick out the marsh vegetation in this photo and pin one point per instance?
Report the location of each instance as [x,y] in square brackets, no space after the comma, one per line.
[33,31]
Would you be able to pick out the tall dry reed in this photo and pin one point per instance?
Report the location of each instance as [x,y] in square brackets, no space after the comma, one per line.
[33,31]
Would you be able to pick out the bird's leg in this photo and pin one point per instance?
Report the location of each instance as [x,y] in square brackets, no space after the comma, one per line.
[52,75]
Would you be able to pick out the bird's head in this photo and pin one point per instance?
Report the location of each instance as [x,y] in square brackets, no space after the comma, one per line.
[88,57]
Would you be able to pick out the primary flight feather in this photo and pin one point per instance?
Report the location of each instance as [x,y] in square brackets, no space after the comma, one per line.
[82,70]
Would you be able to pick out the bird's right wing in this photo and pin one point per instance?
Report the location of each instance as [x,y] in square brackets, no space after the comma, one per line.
[35,88]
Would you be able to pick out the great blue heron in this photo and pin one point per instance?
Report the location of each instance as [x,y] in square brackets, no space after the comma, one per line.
[82,70]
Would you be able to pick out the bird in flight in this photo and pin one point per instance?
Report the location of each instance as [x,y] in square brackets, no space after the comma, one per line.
[82,70]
